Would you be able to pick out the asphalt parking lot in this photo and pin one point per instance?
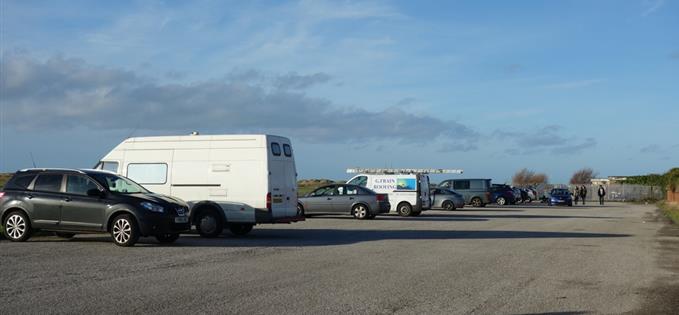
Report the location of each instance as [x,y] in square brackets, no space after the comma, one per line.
[621,258]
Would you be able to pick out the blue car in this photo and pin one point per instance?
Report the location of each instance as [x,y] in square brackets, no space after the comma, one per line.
[560,196]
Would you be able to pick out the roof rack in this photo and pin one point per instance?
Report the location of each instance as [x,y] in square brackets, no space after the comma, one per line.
[52,169]
[392,171]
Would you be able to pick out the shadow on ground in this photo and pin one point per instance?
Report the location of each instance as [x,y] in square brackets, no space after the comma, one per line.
[332,237]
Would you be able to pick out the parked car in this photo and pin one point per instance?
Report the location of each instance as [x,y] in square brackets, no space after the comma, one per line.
[360,202]
[531,195]
[446,199]
[560,196]
[502,195]
[476,192]
[88,201]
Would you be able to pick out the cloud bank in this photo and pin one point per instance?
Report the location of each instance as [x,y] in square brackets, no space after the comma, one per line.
[61,92]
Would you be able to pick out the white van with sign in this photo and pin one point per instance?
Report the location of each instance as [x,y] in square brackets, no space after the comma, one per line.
[408,193]
[230,181]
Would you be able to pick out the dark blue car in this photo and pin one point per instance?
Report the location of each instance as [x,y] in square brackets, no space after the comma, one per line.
[560,196]
[502,195]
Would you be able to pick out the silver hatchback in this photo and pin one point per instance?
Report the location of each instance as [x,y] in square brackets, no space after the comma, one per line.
[446,199]
[360,202]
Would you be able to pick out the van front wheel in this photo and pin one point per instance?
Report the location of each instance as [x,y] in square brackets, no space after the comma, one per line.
[476,202]
[240,229]
[209,224]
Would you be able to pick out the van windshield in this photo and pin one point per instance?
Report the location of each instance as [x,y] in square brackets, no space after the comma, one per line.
[118,184]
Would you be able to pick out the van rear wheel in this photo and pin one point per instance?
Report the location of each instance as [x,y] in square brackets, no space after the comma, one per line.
[240,229]
[209,224]
[405,209]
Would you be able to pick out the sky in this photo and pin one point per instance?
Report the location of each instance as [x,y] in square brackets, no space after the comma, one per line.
[489,87]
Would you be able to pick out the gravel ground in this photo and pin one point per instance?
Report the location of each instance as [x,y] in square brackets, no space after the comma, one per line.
[620,258]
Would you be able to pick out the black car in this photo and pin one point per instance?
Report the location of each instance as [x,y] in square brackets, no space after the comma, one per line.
[88,201]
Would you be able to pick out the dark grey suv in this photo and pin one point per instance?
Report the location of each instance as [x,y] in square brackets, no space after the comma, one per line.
[88,201]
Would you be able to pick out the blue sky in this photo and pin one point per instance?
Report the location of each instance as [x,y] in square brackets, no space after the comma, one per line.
[486,86]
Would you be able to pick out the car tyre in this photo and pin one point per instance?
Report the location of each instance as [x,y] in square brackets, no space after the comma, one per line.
[168,238]
[501,201]
[476,202]
[360,212]
[300,210]
[17,227]
[209,224]
[448,205]
[124,230]
[240,229]
[405,209]
[65,235]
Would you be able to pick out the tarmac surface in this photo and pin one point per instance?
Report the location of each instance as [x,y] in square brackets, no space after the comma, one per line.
[533,259]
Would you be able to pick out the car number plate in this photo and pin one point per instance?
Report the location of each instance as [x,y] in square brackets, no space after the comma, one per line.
[181,220]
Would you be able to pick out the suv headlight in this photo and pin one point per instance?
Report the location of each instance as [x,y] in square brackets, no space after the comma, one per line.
[152,207]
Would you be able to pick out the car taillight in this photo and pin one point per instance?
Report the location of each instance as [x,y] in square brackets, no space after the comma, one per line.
[380,197]
[268,201]
[2,194]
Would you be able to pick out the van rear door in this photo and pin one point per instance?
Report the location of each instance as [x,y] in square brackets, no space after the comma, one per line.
[424,189]
[282,178]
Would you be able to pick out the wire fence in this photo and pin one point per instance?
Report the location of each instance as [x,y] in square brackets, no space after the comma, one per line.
[622,192]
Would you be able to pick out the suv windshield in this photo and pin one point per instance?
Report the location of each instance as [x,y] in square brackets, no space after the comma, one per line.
[118,184]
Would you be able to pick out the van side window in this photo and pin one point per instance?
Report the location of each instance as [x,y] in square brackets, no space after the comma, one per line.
[461,184]
[359,181]
[48,182]
[287,150]
[147,173]
[276,149]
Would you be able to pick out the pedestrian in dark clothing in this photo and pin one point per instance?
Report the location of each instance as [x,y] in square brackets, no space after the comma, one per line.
[601,193]
[583,194]
[576,194]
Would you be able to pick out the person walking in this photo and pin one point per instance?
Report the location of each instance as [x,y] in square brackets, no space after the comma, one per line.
[576,194]
[583,194]
[601,193]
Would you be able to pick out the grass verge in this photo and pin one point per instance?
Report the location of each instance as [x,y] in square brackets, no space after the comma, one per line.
[670,210]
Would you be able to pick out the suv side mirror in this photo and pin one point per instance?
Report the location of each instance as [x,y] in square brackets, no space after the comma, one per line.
[95,193]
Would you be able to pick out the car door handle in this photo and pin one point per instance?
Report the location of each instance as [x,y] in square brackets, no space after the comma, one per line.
[29,196]
[67,199]
[351,198]
[329,198]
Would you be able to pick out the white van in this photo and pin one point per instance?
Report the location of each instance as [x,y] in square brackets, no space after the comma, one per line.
[408,193]
[230,181]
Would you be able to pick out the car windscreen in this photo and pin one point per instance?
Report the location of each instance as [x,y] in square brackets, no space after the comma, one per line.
[118,184]
[560,192]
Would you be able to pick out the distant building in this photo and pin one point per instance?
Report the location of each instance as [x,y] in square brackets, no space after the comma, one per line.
[601,181]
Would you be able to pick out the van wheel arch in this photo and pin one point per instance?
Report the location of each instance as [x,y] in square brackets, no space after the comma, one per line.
[206,206]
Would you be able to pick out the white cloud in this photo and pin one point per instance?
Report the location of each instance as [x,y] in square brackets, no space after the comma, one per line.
[652,6]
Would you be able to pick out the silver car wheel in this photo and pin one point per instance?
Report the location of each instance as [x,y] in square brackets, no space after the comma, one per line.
[16,226]
[360,212]
[501,201]
[122,231]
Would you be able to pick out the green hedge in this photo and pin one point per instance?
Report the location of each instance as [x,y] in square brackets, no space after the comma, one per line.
[668,180]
